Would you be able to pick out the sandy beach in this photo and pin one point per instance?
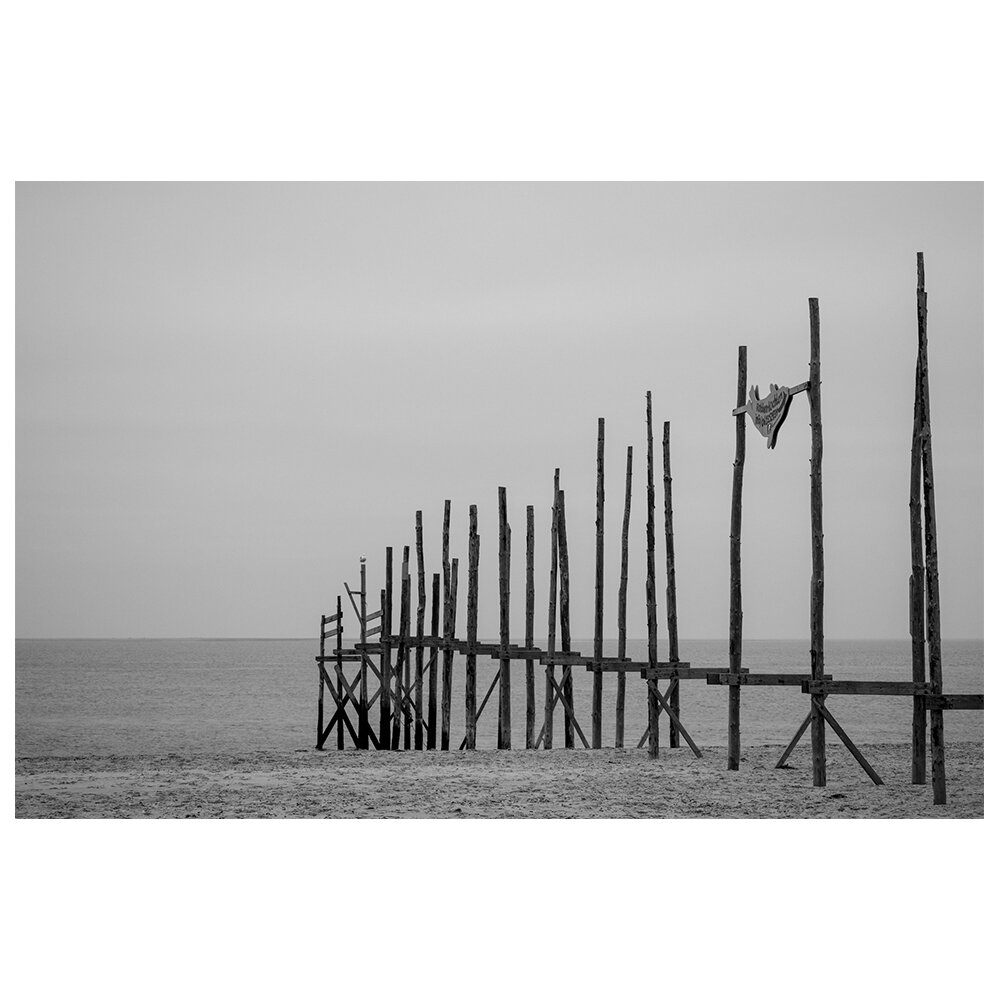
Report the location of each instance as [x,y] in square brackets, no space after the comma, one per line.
[489,784]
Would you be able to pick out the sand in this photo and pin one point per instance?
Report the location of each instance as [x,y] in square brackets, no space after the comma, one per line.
[559,783]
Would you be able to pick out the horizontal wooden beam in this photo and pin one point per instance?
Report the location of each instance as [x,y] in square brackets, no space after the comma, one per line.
[331,618]
[673,668]
[344,657]
[958,702]
[902,688]
[761,680]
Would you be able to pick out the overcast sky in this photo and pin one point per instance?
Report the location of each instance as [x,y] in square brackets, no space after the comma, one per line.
[228,393]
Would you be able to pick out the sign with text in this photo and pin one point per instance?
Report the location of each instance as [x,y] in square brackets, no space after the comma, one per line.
[768,414]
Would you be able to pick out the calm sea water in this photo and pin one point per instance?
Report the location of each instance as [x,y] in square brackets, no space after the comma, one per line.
[133,696]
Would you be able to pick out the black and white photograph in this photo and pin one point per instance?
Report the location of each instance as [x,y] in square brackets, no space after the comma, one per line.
[499,499]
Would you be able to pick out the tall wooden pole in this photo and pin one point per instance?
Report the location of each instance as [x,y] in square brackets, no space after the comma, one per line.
[472,630]
[818,724]
[404,593]
[598,698]
[503,741]
[340,683]
[918,764]
[322,683]
[553,598]
[385,707]
[432,675]
[529,629]
[668,528]
[930,548]
[735,569]
[651,699]
[449,655]
[567,644]
[418,734]
[622,601]
[363,725]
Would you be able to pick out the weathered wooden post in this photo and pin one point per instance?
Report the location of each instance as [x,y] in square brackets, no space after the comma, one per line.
[385,707]
[930,546]
[472,631]
[449,655]
[432,670]
[340,682]
[651,681]
[399,690]
[668,528]
[322,682]
[735,568]
[553,597]
[421,610]
[598,697]
[567,645]
[363,725]
[503,741]
[918,766]
[622,600]
[818,725]
[529,629]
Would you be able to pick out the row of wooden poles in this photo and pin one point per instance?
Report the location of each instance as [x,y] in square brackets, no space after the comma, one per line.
[402,721]
[401,695]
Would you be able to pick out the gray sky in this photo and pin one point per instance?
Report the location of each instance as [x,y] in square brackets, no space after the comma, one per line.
[227,393]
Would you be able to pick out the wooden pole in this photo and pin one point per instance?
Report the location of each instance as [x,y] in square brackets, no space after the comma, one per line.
[622,601]
[918,764]
[735,568]
[472,630]
[598,696]
[553,597]
[818,728]
[418,734]
[405,646]
[446,659]
[449,656]
[340,682]
[668,528]
[404,593]
[652,699]
[529,630]
[363,725]
[432,677]
[385,707]
[503,741]
[322,684]
[445,563]
[930,548]
[567,670]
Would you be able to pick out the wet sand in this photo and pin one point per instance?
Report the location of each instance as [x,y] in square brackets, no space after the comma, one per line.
[560,783]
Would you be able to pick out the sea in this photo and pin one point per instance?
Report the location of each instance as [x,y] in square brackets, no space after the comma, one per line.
[98,697]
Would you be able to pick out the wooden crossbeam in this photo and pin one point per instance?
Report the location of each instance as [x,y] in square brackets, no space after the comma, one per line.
[496,680]
[846,740]
[899,688]
[331,618]
[348,693]
[761,680]
[663,698]
[341,708]
[642,666]
[556,688]
[645,735]
[958,702]
[799,733]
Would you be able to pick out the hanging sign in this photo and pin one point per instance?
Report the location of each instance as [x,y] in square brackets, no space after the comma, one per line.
[768,414]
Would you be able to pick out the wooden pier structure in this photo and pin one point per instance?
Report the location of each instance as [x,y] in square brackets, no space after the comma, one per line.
[407,671]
